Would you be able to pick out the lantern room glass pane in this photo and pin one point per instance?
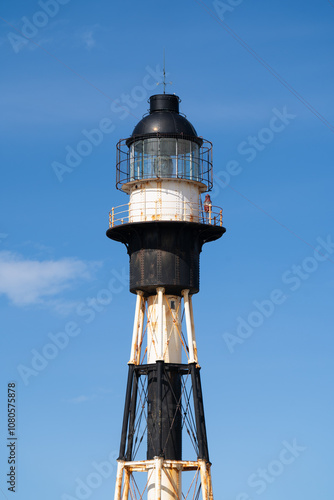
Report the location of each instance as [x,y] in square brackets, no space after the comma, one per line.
[164,157]
[136,161]
[195,156]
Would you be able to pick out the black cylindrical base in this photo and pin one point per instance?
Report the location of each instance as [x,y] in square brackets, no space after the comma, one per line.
[165,253]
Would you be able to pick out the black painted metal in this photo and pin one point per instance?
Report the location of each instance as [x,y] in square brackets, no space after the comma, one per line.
[164,118]
[183,369]
[164,418]
[132,416]
[203,452]
[160,367]
[164,102]
[164,415]
[126,412]
[165,253]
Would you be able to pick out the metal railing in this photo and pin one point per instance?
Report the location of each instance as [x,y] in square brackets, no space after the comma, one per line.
[183,166]
[165,211]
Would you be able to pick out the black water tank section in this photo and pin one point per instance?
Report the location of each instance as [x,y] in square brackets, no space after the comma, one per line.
[164,253]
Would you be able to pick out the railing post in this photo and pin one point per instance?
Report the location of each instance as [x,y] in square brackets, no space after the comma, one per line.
[221,218]
[112,216]
[184,209]
[177,160]
[110,219]
[210,210]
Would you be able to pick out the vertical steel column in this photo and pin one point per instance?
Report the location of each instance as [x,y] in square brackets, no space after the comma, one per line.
[206,480]
[208,466]
[126,412]
[190,327]
[194,344]
[160,333]
[140,329]
[119,479]
[158,470]
[199,413]
[160,368]
[136,328]
[132,417]
[126,487]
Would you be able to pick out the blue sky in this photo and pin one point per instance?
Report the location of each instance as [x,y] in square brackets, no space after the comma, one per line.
[255,78]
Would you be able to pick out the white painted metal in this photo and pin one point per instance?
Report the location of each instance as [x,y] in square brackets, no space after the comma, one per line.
[164,478]
[166,199]
[165,484]
[194,344]
[206,483]
[119,479]
[140,330]
[160,329]
[137,329]
[188,312]
[126,486]
[144,465]
[164,329]
[158,467]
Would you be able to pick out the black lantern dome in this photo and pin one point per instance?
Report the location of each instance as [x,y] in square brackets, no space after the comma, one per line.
[164,119]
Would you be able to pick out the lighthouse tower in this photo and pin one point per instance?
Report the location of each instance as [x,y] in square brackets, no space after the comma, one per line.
[164,167]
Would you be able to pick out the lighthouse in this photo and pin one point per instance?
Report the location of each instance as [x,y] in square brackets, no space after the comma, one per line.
[164,168]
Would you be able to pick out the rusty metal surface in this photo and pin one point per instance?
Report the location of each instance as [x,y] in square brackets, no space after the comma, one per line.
[155,467]
[145,465]
[119,480]
[205,467]
[126,487]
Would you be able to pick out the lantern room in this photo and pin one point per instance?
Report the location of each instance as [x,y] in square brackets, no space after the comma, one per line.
[164,145]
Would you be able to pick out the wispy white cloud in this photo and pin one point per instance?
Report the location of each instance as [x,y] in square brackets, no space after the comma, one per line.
[103,390]
[56,33]
[34,282]
[63,307]
[88,39]
[86,36]
[84,398]
[80,399]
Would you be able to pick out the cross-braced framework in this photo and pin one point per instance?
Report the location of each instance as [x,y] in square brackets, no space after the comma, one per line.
[157,371]
[130,484]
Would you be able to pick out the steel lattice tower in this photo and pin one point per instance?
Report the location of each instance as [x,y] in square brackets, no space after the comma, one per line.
[164,167]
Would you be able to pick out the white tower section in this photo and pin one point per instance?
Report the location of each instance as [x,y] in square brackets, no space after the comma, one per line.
[166,199]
